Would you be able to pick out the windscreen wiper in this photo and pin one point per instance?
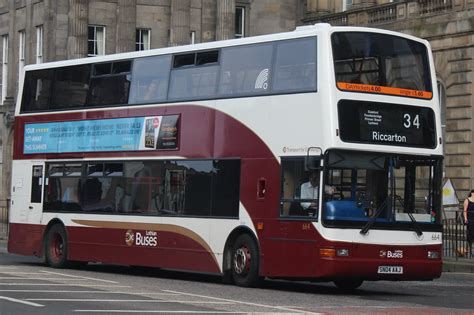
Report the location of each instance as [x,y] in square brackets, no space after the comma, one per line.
[416,226]
[372,221]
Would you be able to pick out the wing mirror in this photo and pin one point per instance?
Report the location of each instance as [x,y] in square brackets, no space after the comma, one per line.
[313,158]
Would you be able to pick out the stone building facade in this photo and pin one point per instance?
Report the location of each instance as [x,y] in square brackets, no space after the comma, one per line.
[34,31]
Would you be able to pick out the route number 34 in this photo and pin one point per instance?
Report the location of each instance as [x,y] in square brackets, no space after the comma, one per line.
[408,121]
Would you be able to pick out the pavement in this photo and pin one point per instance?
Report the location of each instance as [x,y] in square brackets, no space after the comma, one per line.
[458,264]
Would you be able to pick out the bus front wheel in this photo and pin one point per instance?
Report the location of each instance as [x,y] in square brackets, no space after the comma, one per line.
[245,261]
[56,247]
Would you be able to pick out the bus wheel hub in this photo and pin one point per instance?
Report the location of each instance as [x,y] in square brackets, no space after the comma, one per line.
[57,247]
[242,260]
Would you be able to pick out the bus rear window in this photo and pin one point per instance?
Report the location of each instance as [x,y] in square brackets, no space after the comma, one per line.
[37,90]
[383,64]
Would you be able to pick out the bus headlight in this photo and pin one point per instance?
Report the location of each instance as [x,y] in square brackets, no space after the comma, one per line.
[433,254]
[342,252]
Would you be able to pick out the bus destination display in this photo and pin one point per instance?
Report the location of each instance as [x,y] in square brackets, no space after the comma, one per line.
[388,124]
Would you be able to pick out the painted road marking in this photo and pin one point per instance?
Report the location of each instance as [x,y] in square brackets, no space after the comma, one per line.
[166,312]
[41,278]
[243,303]
[79,277]
[66,285]
[20,273]
[20,301]
[122,300]
[95,292]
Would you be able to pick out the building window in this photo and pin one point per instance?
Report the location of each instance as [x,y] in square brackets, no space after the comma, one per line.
[39,44]
[21,51]
[239,22]
[96,40]
[346,5]
[142,39]
[4,67]
[192,37]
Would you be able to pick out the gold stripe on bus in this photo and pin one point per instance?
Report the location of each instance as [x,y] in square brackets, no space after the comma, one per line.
[367,88]
[157,227]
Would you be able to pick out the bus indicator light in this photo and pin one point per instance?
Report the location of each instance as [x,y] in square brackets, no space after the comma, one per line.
[327,252]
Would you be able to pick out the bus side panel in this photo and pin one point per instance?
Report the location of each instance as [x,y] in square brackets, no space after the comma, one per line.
[25,239]
[154,248]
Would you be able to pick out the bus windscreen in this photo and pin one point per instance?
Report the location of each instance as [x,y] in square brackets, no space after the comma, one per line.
[381,64]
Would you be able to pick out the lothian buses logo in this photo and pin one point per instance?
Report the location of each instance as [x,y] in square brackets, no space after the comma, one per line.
[396,254]
[148,239]
[129,237]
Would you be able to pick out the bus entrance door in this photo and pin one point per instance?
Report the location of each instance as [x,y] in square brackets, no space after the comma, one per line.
[25,231]
[27,190]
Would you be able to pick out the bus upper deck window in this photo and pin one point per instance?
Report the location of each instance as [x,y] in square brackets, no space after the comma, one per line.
[146,72]
[121,67]
[207,57]
[102,69]
[37,90]
[184,60]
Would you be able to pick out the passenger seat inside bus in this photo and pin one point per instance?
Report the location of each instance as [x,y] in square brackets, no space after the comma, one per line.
[91,194]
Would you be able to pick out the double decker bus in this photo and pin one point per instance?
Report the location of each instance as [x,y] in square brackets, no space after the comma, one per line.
[314,154]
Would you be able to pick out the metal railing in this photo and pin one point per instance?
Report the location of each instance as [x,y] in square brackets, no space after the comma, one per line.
[455,243]
[4,205]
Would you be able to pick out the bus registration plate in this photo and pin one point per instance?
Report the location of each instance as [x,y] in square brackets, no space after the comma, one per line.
[391,269]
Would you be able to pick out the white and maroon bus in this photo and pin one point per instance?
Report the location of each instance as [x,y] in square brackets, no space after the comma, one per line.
[199,157]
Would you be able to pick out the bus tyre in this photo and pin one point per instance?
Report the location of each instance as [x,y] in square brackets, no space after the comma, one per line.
[245,261]
[56,247]
[348,285]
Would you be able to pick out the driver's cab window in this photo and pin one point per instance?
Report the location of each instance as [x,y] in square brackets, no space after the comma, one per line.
[300,189]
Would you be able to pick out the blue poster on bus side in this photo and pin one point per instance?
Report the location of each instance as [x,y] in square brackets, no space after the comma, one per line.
[120,134]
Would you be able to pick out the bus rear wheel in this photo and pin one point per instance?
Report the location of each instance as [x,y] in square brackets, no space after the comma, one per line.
[245,261]
[348,285]
[56,247]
